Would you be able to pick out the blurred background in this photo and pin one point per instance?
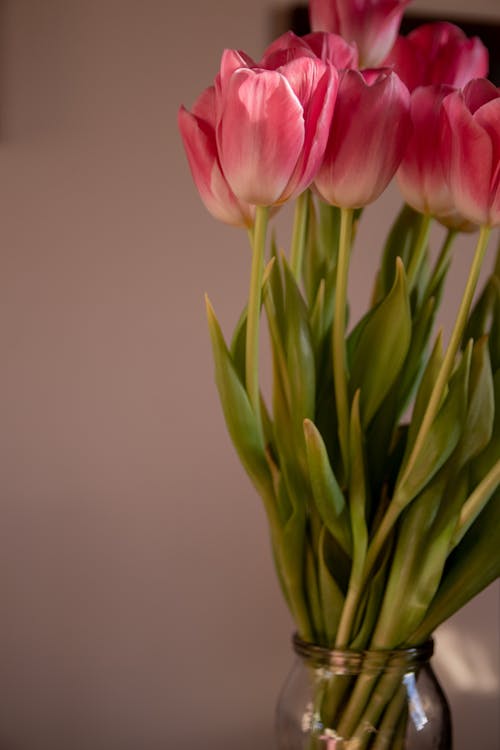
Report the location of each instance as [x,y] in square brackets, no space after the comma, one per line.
[139,607]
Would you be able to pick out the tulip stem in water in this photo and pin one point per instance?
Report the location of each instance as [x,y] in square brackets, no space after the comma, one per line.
[339,324]
[299,234]
[253,314]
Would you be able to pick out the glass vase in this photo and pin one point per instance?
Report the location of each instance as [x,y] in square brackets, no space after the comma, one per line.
[362,700]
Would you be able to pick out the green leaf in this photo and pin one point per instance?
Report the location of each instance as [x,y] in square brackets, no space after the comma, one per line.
[358,486]
[476,502]
[414,364]
[399,244]
[274,306]
[489,456]
[332,598]
[238,341]
[240,419]
[238,345]
[368,615]
[473,565]
[382,347]
[425,389]
[495,326]
[442,438]
[289,546]
[313,596]
[299,353]
[327,494]
[422,546]
[482,312]
[317,320]
[329,231]
[480,404]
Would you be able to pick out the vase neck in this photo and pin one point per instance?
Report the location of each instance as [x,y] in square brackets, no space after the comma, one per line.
[346,661]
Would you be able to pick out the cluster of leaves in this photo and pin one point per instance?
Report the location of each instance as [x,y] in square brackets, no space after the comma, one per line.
[344,588]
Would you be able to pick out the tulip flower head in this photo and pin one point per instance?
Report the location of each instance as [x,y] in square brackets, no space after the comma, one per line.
[330,48]
[370,130]
[372,24]
[421,176]
[273,126]
[472,151]
[438,53]
[197,130]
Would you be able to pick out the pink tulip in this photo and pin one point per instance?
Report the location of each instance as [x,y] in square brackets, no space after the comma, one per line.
[330,48]
[471,150]
[421,176]
[273,125]
[198,134]
[372,24]
[438,53]
[370,130]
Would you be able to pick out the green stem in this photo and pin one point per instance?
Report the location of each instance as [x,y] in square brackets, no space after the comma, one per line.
[299,234]
[476,502]
[366,708]
[339,325]
[418,253]
[253,315]
[441,265]
[349,611]
[393,722]
[399,501]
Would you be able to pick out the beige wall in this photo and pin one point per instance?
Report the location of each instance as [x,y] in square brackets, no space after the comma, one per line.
[139,605]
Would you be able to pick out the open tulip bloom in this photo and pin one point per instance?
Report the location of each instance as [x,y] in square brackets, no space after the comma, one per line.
[382,525]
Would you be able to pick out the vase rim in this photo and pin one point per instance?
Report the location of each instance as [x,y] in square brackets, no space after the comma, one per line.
[352,660]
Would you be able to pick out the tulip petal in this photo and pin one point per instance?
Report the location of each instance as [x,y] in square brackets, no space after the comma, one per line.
[260,135]
[470,160]
[421,175]
[488,116]
[333,48]
[199,144]
[231,61]
[438,53]
[360,158]
[318,100]
[324,16]
[285,48]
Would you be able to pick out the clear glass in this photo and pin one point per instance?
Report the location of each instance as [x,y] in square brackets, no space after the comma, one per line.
[362,700]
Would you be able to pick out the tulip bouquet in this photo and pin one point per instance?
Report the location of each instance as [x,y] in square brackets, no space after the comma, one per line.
[382,525]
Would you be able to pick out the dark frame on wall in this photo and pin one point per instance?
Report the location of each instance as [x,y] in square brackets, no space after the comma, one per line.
[488,30]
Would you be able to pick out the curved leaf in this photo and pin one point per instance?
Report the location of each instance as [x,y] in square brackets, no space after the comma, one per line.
[382,347]
[240,419]
[327,494]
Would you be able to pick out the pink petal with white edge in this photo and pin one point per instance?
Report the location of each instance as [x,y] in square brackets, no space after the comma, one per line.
[421,175]
[260,135]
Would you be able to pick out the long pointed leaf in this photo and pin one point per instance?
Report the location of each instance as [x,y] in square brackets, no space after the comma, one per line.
[327,494]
